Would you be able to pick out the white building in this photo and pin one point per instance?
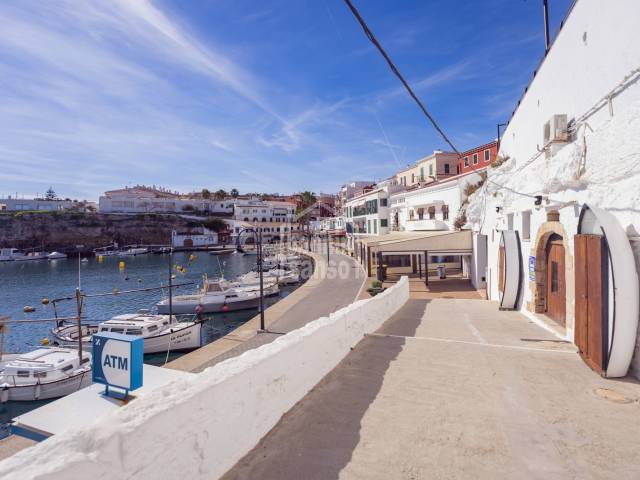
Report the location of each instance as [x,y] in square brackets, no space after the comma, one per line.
[10,204]
[434,206]
[573,162]
[367,214]
[205,238]
[347,192]
[141,199]
[255,210]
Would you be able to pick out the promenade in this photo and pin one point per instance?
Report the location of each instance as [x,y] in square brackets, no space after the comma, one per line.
[451,388]
[333,286]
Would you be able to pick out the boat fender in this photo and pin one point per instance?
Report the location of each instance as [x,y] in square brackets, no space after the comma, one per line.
[4,396]
[37,392]
[45,301]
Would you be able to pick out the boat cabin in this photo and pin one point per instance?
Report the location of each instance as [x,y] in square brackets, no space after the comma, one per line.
[136,324]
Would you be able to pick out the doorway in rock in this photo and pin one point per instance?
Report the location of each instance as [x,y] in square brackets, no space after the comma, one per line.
[555,280]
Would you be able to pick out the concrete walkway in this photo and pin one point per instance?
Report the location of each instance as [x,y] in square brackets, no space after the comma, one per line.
[338,287]
[454,389]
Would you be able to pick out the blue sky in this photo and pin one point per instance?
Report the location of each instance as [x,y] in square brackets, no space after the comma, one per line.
[274,96]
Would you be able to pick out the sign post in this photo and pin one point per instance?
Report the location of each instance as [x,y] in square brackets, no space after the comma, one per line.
[117,362]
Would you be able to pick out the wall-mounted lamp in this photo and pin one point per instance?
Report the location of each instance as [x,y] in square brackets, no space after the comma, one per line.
[538,200]
[498,209]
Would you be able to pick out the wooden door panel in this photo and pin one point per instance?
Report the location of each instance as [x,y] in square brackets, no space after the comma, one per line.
[581,303]
[556,298]
[591,298]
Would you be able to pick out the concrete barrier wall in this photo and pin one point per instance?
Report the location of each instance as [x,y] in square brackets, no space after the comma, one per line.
[200,427]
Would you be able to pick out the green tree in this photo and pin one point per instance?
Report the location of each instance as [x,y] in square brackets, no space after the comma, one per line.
[234,192]
[50,195]
[220,194]
[215,224]
[307,199]
[206,194]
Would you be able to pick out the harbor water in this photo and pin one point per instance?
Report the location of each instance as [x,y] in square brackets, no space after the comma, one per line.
[28,283]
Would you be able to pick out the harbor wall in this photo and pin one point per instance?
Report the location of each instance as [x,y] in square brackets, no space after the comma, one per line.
[62,231]
[201,426]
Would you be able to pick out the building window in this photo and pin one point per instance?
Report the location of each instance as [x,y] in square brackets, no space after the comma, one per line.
[510,221]
[431,169]
[445,212]
[375,226]
[383,222]
[475,158]
[466,161]
[421,173]
[446,169]
[554,277]
[487,155]
[383,202]
[432,213]
[526,225]
[413,178]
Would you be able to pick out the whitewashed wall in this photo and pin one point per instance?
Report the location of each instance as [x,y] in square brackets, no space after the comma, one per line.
[597,53]
[200,427]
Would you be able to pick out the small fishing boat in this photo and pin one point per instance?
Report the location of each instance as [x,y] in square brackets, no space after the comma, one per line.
[29,256]
[108,251]
[162,250]
[10,254]
[219,296]
[161,333]
[158,331]
[44,373]
[221,251]
[133,251]
[56,256]
[280,275]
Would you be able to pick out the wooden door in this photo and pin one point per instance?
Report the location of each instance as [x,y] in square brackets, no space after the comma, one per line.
[556,292]
[591,330]
[501,259]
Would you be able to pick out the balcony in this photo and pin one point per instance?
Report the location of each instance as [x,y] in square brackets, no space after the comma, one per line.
[426,224]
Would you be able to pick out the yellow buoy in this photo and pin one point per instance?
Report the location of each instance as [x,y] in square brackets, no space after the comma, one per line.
[100,258]
[45,301]
[44,341]
[121,265]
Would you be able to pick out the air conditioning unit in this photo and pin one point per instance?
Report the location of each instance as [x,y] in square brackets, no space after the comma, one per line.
[555,130]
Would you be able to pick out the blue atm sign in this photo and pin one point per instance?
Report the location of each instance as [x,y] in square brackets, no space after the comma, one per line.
[117,360]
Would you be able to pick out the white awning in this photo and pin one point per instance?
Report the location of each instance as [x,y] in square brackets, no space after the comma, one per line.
[435,242]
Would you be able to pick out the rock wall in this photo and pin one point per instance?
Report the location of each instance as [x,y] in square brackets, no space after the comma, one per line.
[63,231]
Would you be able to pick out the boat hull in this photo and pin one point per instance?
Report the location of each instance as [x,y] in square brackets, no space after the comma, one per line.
[46,390]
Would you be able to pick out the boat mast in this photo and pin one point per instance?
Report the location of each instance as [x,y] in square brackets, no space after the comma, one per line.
[170,282]
[79,309]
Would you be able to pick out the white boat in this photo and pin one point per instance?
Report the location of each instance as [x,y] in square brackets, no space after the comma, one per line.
[10,254]
[31,256]
[44,373]
[109,251]
[282,276]
[160,333]
[134,251]
[56,256]
[219,296]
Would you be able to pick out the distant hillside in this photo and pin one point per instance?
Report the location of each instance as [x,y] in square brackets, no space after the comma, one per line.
[63,231]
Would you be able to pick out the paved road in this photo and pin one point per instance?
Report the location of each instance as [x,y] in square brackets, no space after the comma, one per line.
[339,289]
[456,389]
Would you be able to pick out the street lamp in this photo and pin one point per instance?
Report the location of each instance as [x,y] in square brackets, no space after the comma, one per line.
[257,234]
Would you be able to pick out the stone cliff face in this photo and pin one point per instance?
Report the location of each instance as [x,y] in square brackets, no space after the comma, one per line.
[63,231]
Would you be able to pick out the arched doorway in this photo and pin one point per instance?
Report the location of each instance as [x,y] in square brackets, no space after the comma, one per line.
[187,242]
[555,280]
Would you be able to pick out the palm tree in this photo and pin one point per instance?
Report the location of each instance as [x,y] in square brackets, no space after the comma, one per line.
[234,192]
[220,194]
[206,194]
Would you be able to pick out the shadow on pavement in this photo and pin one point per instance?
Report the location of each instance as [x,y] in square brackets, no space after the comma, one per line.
[316,438]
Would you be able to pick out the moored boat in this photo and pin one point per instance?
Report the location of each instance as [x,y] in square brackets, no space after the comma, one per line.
[56,256]
[44,373]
